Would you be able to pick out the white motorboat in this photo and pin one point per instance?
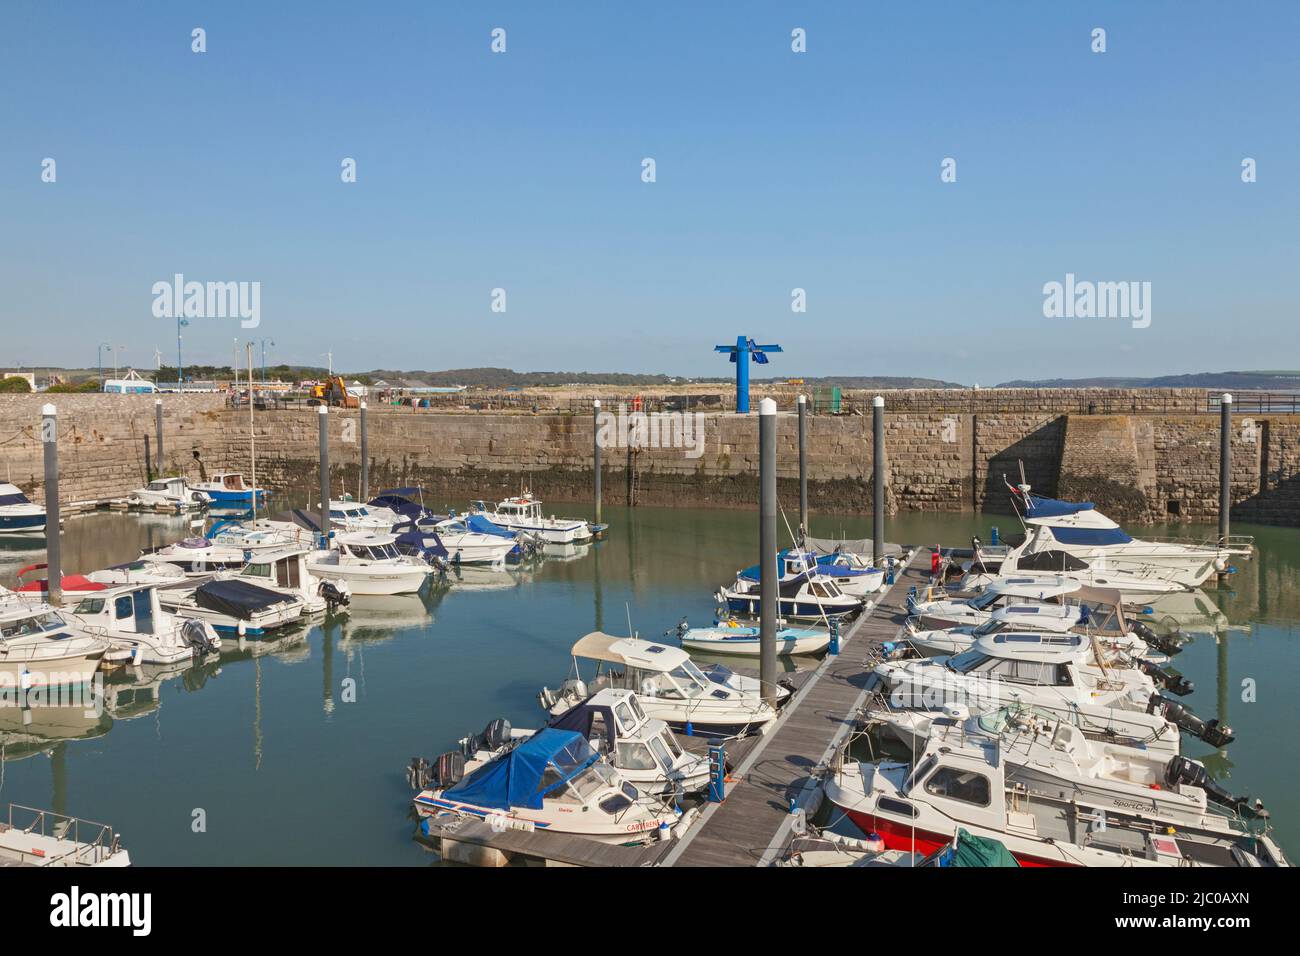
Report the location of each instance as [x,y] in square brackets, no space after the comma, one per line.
[285,571]
[729,636]
[524,513]
[669,684]
[553,781]
[1078,529]
[369,564]
[641,748]
[235,606]
[804,597]
[40,648]
[975,610]
[228,489]
[131,618]
[966,783]
[1049,566]
[472,539]
[200,556]
[850,573]
[347,514]
[140,571]
[18,514]
[32,837]
[174,492]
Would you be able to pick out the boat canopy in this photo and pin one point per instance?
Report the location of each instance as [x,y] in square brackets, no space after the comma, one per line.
[482,525]
[238,599]
[399,501]
[525,775]
[862,546]
[599,646]
[1036,507]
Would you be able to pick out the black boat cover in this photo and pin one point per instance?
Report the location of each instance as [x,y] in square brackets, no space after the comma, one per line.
[239,599]
[1051,561]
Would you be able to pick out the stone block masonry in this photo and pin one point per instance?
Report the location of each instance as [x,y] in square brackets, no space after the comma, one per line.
[1145,465]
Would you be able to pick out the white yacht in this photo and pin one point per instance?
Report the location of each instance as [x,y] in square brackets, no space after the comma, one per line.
[369,564]
[524,513]
[18,514]
[140,571]
[131,618]
[40,648]
[174,492]
[553,782]
[669,686]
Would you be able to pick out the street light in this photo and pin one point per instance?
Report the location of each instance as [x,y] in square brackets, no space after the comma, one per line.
[264,341]
[117,350]
[99,357]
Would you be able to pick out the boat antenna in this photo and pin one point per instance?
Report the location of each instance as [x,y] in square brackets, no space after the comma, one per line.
[252,434]
[628,608]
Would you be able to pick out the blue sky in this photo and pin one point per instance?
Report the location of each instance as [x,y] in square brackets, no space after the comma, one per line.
[775,170]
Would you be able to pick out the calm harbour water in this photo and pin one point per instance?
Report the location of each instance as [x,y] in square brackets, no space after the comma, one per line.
[287,771]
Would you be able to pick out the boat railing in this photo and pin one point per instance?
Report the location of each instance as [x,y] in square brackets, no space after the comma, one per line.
[100,845]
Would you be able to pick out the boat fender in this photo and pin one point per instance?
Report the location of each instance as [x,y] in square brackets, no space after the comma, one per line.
[684,821]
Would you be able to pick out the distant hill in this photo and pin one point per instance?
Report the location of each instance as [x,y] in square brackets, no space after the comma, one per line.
[1268,381]
[870,381]
[509,378]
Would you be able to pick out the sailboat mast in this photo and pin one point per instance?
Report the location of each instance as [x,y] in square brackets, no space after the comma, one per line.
[252,436]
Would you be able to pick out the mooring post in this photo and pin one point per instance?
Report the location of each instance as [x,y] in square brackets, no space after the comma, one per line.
[878,481]
[595,454]
[157,436]
[365,457]
[53,546]
[323,417]
[803,468]
[1225,466]
[767,549]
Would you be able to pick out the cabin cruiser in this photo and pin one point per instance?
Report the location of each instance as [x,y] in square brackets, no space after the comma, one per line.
[32,837]
[235,606]
[131,618]
[349,515]
[228,488]
[199,556]
[369,564]
[40,648]
[807,596]
[552,781]
[285,571]
[851,574]
[669,685]
[172,492]
[1081,531]
[470,539]
[729,636]
[641,748]
[970,611]
[18,514]
[966,782]
[473,539]
[1048,566]
[524,513]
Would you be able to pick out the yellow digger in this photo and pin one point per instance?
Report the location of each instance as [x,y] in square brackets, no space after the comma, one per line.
[333,392]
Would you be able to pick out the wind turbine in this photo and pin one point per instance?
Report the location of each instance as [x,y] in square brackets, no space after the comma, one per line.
[741,353]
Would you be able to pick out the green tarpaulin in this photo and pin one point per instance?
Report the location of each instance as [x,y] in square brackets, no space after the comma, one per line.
[979,851]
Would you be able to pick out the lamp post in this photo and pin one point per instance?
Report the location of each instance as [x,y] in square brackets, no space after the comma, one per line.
[99,357]
[264,341]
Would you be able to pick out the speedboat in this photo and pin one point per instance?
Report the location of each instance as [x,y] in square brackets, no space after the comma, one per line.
[131,618]
[200,556]
[851,574]
[285,571]
[140,571]
[369,564]
[641,748]
[40,648]
[729,636]
[807,596]
[228,488]
[553,781]
[1081,531]
[524,513]
[473,539]
[669,686]
[964,782]
[18,514]
[235,606]
[172,492]
[975,610]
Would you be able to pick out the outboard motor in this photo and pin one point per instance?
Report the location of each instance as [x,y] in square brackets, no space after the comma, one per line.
[1174,683]
[335,595]
[195,636]
[419,773]
[1211,731]
[546,698]
[1180,770]
[494,736]
[1169,644]
[451,769]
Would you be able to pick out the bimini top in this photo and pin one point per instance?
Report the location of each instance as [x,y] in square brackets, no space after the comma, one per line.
[482,525]
[525,775]
[645,655]
[1038,507]
[1026,646]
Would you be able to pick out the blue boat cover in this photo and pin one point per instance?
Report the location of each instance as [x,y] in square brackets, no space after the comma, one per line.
[582,718]
[483,526]
[423,542]
[1090,536]
[399,501]
[525,775]
[1053,508]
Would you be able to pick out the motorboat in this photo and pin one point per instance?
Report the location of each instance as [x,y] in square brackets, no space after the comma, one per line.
[32,837]
[524,513]
[285,571]
[729,636]
[470,539]
[641,748]
[553,781]
[347,514]
[966,783]
[970,611]
[369,564]
[40,648]
[228,488]
[235,606]
[807,596]
[18,513]
[131,618]
[1142,587]
[670,687]
[851,574]
[1078,529]
[174,493]
[200,556]
[473,539]
[831,849]
[140,571]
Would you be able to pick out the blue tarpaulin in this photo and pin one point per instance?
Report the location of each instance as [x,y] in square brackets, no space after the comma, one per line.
[1052,508]
[520,778]
[484,526]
